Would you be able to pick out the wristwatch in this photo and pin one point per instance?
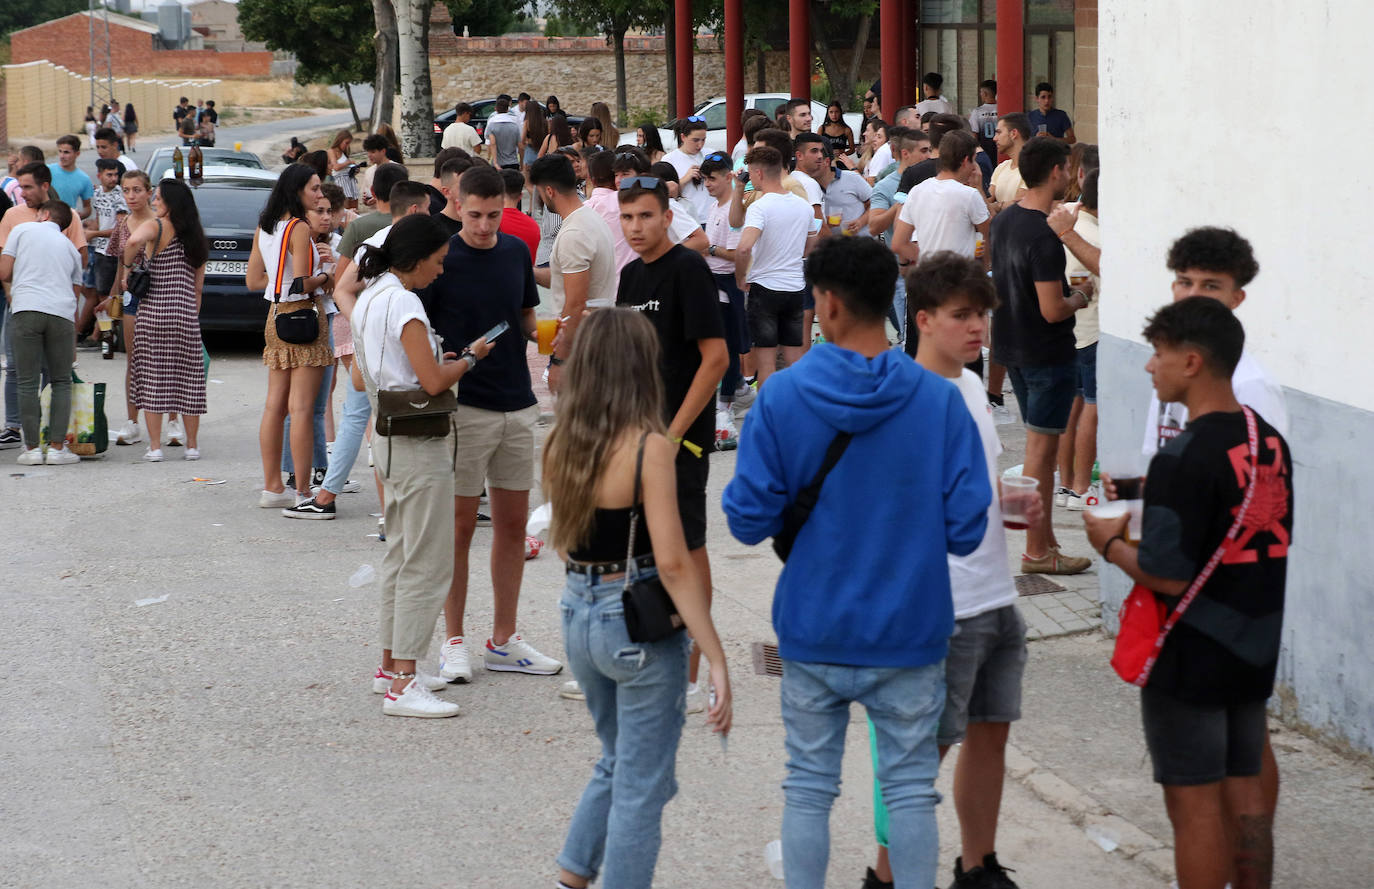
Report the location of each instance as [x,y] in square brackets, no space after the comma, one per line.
[711,251]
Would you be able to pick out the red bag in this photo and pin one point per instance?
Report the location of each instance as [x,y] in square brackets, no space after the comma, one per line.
[1144,626]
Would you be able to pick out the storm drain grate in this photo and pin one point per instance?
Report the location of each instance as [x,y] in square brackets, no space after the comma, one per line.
[1036,584]
[766,660]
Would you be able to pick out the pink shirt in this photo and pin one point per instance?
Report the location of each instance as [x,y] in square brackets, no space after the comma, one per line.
[607,205]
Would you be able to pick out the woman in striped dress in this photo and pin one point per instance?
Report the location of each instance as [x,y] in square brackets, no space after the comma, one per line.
[169,375]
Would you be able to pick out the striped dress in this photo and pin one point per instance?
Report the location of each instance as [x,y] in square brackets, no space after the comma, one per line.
[169,375]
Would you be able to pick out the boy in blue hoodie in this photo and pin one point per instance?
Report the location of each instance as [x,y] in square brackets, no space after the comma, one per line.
[863,608]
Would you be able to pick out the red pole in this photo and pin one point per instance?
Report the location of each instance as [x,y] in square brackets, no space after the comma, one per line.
[890,47]
[684,37]
[799,49]
[734,71]
[908,53]
[1011,78]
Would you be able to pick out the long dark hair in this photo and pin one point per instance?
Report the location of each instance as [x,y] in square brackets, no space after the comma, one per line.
[413,239]
[558,126]
[318,161]
[177,197]
[130,116]
[553,100]
[536,124]
[588,124]
[286,196]
[652,140]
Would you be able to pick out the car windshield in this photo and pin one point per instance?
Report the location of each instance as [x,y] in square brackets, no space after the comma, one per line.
[230,207]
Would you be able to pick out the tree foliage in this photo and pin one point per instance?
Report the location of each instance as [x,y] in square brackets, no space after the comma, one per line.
[487,18]
[16,15]
[331,39]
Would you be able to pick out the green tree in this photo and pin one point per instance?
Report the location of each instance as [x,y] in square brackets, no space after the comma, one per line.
[613,18]
[487,18]
[16,15]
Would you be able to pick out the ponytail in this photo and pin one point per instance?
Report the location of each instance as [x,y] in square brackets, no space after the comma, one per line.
[411,240]
[376,262]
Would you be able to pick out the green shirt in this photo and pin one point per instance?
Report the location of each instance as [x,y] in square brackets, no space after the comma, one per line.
[360,230]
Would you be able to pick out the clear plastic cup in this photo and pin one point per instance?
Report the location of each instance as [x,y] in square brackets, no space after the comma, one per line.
[1118,508]
[1018,492]
[362,577]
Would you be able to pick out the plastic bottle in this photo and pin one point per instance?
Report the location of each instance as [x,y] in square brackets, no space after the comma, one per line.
[1097,471]
[105,325]
[178,163]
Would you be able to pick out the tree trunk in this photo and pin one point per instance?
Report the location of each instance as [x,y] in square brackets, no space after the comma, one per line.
[761,64]
[385,85]
[856,58]
[841,77]
[621,101]
[670,55]
[417,98]
[357,121]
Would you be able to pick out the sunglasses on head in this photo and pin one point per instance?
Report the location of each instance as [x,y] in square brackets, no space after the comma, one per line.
[650,182]
[695,118]
[718,156]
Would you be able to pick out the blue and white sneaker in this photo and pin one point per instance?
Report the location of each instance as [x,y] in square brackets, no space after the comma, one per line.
[518,656]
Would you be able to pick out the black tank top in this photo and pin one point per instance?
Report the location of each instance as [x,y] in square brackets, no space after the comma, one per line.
[611,536]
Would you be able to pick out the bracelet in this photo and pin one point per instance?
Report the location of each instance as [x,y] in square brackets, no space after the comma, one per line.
[1108,545]
[470,358]
[1085,296]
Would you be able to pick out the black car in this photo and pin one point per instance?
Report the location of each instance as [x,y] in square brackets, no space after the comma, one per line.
[482,109]
[229,201]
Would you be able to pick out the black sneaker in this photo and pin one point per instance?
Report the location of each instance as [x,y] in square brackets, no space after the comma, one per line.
[309,509]
[1000,880]
[10,438]
[483,520]
[871,881]
[291,481]
[990,875]
[997,400]
[317,477]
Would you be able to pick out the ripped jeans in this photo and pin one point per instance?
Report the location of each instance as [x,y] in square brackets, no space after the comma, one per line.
[636,693]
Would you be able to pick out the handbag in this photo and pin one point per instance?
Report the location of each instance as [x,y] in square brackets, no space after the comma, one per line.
[799,510]
[1144,624]
[650,615]
[139,279]
[302,326]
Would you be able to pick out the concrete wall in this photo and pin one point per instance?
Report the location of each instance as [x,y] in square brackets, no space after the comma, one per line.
[133,50]
[43,99]
[1308,316]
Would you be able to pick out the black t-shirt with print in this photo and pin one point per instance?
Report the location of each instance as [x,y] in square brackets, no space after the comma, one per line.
[478,290]
[1225,648]
[915,174]
[1026,250]
[678,294]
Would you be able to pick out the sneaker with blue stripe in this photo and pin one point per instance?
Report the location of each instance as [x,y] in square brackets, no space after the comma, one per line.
[518,656]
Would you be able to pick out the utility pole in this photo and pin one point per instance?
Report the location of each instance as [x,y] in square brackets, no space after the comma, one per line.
[101,65]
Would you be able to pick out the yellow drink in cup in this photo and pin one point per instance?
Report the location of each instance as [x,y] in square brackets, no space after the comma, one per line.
[833,219]
[547,329]
[238,146]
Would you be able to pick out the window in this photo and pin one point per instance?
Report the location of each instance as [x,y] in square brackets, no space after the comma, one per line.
[715,116]
[769,106]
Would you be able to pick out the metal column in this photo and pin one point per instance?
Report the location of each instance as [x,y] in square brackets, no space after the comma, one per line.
[799,48]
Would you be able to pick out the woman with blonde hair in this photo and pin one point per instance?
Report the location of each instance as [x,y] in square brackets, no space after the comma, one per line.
[610,135]
[608,471]
[341,168]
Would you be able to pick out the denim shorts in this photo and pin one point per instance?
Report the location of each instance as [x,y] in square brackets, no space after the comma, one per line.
[775,317]
[1045,393]
[1087,373]
[987,657]
[1193,744]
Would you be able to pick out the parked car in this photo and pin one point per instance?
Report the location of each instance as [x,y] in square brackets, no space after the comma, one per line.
[713,110]
[161,160]
[482,109]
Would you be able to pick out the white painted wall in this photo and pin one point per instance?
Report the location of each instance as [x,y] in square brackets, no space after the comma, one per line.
[1246,113]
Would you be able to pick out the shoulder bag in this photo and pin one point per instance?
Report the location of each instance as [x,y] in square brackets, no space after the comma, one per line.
[650,615]
[799,510]
[1144,626]
[302,326]
[140,278]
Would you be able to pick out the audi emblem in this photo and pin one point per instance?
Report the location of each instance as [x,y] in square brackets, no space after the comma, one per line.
[226,245]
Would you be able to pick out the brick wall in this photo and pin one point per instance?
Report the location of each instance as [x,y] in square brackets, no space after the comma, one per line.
[66,42]
[47,100]
[4,117]
[1085,70]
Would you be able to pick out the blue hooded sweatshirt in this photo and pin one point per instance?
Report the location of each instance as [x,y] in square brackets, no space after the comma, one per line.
[867,583]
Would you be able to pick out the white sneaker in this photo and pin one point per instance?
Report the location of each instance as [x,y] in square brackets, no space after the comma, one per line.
[1002,415]
[351,487]
[1061,497]
[1089,498]
[518,656]
[381,683]
[277,500]
[744,396]
[454,663]
[129,433]
[696,698]
[175,434]
[419,701]
[369,454]
[60,457]
[572,691]
[30,457]
[192,454]
[153,455]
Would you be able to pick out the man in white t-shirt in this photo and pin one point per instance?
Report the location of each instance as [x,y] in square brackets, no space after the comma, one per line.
[944,213]
[983,119]
[107,145]
[460,133]
[931,99]
[768,263]
[686,159]
[44,270]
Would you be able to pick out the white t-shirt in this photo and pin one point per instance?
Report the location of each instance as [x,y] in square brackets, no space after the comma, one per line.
[739,151]
[460,135]
[128,162]
[584,243]
[940,105]
[693,194]
[815,195]
[383,309]
[943,213]
[1006,182]
[1254,387]
[721,234]
[783,221]
[1085,326]
[683,223]
[847,194]
[983,120]
[46,265]
[881,159]
[981,580]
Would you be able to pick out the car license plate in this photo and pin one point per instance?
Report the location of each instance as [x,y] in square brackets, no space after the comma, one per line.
[223,267]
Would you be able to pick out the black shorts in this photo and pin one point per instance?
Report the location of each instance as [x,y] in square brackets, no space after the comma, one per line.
[1193,744]
[775,317]
[105,268]
[691,496]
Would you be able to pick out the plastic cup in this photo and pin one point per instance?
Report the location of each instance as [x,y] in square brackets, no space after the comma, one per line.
[833,219]
[238,146]
[1118,508]
[547,329]
[1078,280]
[1018,492]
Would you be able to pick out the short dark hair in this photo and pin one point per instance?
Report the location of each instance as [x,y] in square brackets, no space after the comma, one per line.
[929,116]
[1044,86]
[1090,157]
[796,102]
[635,192]
[385,178]
[1039,158]
[554,170]
[1020,122]
[375,142]
[455,167]
[444,157]
[39,171]
[765,156]
[780,142]
[665,171]
[989,85]
[944,276]
[807,139]
[69,140]
[941,124]
[514,181]
[58,212]
[956,146]
[481,182]
[934,80]
[906,138]
[109,163]
[106,134]
[1203,323]
[755,124]
[1214,249]
[461,108]
[1089,193]
[862,272]
[184,99]
[33,153]
[601,169]
[332,193]
[630,159]
[717,162]
[406,194]
[502,103]
[523,97]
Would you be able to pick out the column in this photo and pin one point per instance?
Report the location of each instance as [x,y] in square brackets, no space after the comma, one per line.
[1011,41]
[909,79]
[734,71]
[799,49]
[684,40]
[890,46]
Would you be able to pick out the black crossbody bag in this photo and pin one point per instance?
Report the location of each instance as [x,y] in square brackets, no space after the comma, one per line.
[799,510]
[650,615]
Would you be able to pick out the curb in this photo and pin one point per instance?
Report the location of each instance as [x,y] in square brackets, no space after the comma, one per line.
[1133,843]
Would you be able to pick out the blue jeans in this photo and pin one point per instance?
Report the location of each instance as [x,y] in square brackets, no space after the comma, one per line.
[11,375]
[348,437]
[905,706]
[637,693]
[320,458]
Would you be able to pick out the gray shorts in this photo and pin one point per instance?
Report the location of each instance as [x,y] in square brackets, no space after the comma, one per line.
[1192,744]
[987,656]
